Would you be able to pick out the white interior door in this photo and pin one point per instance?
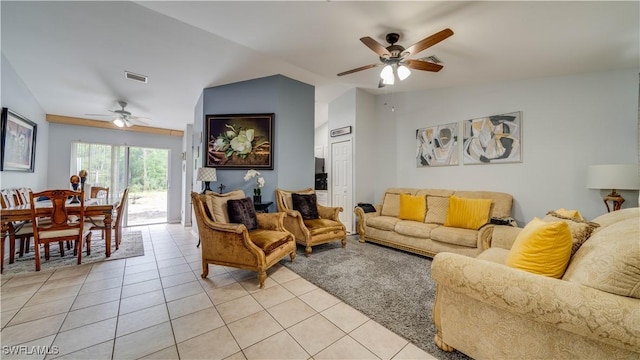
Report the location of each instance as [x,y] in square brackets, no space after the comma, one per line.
[342,180]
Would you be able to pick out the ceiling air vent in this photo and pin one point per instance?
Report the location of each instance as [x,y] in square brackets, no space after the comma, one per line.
[136,77]
[432,59]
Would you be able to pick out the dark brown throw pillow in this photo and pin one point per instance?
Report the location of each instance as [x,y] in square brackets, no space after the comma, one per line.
[241,211]
[306,204]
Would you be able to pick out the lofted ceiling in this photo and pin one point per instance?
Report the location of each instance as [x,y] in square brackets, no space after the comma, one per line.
[72,55]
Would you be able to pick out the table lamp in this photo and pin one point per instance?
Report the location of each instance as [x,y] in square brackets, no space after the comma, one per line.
[613,177]
[207,175]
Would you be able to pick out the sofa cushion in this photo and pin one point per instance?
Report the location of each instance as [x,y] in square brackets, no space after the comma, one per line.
[383,222]
[609,260]
[455,236]
[241,211]
[414,229]
[268,240]
[412,207]
[217,204]
[436,210]
[542,248]
[306,204]
[494,254]
[580,230]
[468,213]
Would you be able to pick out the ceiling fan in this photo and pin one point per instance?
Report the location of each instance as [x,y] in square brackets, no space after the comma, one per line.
[394,57]
[123,117]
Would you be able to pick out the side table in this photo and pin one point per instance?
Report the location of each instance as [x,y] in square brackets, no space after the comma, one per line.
[262,207]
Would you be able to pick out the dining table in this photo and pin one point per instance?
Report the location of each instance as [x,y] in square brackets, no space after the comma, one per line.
[92,207]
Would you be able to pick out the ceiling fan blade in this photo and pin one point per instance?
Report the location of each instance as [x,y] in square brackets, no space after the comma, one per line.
[429,41]
[423,65]
[140,119]
[358,69]
[375,46]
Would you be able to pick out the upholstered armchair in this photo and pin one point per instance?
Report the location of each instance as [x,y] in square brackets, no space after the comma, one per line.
[310,227]
[230,243]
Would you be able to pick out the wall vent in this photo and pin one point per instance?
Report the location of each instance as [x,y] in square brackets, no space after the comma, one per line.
[432,59]
[136,77]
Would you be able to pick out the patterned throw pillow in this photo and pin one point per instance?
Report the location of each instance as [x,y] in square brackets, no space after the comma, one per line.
[307,205]
[437,208]
[241,211]
[580,230]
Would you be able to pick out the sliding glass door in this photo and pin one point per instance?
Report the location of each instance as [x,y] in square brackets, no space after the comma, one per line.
[143,170]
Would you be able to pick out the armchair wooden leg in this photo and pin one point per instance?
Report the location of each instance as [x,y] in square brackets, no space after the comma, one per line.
[344,241]
[262,276]
[205,269]
[307,250]
[292,256]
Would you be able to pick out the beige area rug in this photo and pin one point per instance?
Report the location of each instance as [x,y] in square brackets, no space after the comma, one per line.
[130,246]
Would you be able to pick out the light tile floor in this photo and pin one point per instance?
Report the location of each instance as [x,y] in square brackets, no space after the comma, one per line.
[157,307]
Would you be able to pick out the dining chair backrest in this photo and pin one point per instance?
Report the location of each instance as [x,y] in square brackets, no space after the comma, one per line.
[23,195]
[9,198]
[99,192]
[57,214]
[120,208]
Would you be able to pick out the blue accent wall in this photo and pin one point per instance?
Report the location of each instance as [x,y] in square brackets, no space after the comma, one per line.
[293,103]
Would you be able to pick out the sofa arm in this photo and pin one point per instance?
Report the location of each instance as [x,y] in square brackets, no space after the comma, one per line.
[362,218]
[585,311]
[504,236]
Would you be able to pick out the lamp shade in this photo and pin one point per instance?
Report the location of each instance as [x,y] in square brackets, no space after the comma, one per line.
[206,174]
[614,177]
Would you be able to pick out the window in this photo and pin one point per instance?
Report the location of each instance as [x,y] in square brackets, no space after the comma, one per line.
[143,170]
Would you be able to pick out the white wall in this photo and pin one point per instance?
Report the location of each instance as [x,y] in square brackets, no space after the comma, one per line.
[568,123]
[18,98]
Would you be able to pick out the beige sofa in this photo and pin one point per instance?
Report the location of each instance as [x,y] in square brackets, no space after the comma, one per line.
[429,237]
[488,310]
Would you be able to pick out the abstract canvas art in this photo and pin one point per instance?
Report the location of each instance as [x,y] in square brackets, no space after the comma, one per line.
[437,145]
[493,139]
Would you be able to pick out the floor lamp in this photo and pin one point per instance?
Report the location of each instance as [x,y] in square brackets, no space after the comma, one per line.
[613,177]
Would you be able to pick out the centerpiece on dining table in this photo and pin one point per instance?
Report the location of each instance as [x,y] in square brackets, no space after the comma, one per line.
[75,180]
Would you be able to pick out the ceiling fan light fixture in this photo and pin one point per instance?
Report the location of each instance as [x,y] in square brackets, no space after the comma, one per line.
[387,75]
[118,122]
[403,72]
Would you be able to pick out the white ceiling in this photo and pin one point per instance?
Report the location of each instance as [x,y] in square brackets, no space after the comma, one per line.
[72,55]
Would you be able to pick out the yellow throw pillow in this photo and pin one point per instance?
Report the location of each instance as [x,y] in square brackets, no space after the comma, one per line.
[542,248]
[467,213]
[412,207]
[571,214]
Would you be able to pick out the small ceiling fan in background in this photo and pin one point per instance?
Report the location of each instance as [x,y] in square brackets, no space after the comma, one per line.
[123,117]
[394,57]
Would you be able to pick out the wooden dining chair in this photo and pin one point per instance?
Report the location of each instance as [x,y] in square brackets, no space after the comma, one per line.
[116,225]
[17,231]
[99,192]
[61,225]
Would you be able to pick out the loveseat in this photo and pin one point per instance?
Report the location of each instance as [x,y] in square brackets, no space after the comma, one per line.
[487,309]
[427,234]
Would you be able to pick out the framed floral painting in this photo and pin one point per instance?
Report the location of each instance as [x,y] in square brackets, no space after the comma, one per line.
[242,141]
